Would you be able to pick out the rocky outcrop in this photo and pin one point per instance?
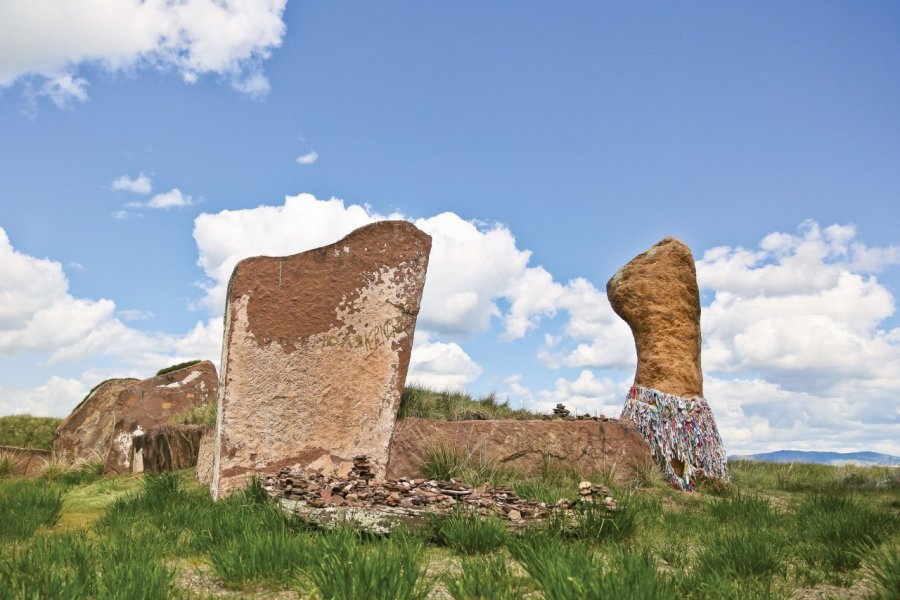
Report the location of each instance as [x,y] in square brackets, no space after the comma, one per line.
[153,402]
[171,447]
[88,430]
[315,354]
[589,447]
[656,293]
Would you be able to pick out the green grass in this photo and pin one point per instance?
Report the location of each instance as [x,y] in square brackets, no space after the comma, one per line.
[204,414]
[25,431]
[564,571]
[26,505]
[835,530]
[138,535]
[469,533]
[255,556]
[483,578]
[177,367]
[885,569]
[426,403]
[745,509]
[72,565]
[349,568]
[754,553]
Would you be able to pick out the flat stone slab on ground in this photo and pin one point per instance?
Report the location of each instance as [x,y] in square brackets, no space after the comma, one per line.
[588,446]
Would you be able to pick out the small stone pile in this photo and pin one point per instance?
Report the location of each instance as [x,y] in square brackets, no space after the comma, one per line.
[560,412]
[313,489]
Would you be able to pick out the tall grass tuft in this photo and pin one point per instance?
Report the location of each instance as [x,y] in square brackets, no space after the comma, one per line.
[469,533]
[7,463]
[427,403]
[178,367]
[746,510]
[261,556]
[346,568]
[592,522]
[446,462]
[754,553]
[837,528]
[885,569]
[25,506]
[84,470]
[203,414]
[564,571]
[72,565]
[483,578]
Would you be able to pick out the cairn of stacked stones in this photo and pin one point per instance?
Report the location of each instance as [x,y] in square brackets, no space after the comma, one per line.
[561,412]
[313,489]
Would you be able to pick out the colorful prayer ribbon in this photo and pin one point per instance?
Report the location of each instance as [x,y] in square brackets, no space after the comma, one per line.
[678,428]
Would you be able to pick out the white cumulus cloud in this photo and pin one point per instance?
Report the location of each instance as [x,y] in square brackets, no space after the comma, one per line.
[54,398]
[171,199]
[441,365]
[804,310]
[49,41]
[137,185]
[308,158]
[471,267]
[37,313]
[586,394]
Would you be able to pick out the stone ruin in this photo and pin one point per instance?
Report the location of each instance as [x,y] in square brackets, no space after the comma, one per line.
[111,422]
[380,505]
[656,293]
[315,354]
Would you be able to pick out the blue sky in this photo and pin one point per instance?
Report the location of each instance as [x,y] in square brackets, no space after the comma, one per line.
[542,146]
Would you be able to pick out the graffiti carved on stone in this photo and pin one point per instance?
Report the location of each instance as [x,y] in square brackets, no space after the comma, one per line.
[315,354]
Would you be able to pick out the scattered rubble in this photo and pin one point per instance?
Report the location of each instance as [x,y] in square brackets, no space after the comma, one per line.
[304,491]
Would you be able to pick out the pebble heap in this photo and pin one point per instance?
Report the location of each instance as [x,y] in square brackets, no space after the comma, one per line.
[561,411]
[313,489]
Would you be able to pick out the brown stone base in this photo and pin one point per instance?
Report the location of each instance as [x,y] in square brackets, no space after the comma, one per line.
[589,447]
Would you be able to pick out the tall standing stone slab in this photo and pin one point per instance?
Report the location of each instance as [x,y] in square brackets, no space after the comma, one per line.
[315,354]
[656,293]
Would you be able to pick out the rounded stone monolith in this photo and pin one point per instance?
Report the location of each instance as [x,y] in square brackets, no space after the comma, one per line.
[657,294]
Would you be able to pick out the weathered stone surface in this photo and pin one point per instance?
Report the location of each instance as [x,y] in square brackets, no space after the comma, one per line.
[206,456]
[86,433]
[656,293]
[153,402]
[171,447]
[588,446]
[315,354]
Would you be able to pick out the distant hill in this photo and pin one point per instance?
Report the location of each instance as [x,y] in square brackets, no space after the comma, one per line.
[865,459]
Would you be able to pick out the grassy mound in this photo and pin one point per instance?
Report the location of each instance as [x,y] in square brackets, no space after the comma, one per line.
[426,403]
[177,367]
[25,431]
